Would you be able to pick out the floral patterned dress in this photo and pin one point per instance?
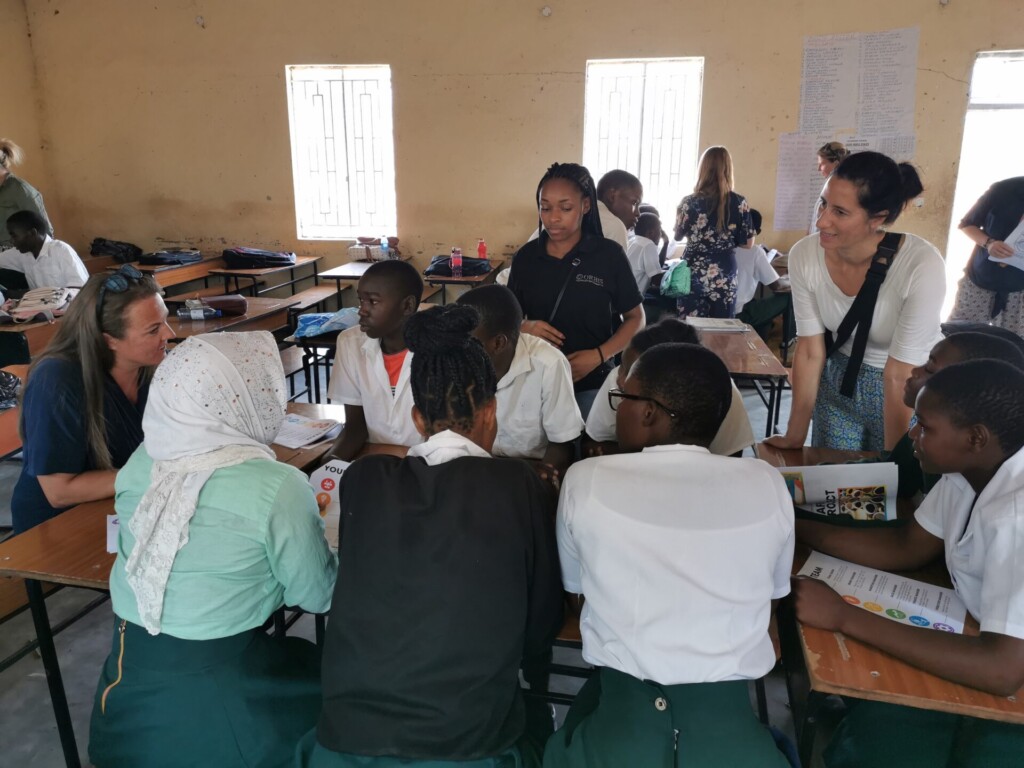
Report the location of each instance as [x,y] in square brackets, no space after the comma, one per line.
[710,255]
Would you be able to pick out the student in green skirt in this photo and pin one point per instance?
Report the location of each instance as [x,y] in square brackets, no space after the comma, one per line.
[970,429]
[215,535]
[679,554]
[447,582]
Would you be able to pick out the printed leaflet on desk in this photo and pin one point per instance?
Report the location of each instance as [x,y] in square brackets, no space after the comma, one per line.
[898,598]
[862,491]
[298,431]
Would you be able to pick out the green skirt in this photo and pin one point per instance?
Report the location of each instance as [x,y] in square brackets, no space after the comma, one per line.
[878,735]
[619,721]
[239,701]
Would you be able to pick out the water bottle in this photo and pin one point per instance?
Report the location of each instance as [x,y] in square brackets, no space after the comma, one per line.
[199,313]
[481,249]
[456,262]
[384,248]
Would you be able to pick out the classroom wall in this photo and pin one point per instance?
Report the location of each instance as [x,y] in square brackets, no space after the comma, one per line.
[167,121]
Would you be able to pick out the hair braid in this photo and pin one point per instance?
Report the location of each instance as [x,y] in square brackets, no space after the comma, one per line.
[581,177]
[989,392]
[452,377]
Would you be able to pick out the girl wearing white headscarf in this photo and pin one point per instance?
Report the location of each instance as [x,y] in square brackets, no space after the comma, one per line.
[215,535]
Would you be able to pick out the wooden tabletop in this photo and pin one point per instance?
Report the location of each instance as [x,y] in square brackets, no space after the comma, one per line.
[300,261]
[10,440]
[353,270]
[261,315]
[841,665]
[496,265]
[169,275]
[807,456]
[744,354]
[37,334]
[71,548]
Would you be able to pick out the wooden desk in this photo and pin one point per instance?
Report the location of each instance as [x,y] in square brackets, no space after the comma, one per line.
[819,663]
[255,275]
[71,549]
[473,282]
[749,360]
[37,334]
[807,456]
[10,439]
[262,315]
[170,275]
[354,270]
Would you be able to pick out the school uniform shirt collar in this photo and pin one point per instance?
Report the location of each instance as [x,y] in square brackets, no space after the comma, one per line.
[676,447]
[371,348]
[47,242]
[445,446]
[1008,479]
[521,364]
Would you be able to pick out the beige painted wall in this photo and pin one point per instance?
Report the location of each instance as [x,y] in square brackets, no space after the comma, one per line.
[164,127]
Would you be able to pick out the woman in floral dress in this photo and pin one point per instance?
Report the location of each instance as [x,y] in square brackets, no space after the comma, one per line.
[714,220]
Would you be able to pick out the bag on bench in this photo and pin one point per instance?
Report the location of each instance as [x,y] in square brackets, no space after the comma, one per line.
[254,258]
[122,252]
[171,257]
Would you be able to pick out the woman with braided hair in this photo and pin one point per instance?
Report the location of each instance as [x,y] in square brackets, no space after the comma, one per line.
[576,287]
[448,582]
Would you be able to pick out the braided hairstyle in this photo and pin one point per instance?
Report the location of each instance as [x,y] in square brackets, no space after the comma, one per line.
[971,345]
[452,376]
[581,177]
[987,392]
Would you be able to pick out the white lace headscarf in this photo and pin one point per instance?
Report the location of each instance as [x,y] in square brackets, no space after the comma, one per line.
[217,400]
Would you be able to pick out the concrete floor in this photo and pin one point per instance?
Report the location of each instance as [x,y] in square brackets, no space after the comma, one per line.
[28,734]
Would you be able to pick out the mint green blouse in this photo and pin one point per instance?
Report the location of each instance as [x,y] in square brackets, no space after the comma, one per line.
[256,543]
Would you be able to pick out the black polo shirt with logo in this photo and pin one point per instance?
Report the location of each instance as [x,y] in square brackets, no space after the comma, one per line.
[599,291]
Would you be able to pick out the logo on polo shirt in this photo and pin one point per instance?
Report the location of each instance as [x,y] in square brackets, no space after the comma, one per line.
[592,279]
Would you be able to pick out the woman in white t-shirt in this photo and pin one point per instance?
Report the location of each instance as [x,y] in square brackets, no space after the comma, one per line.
[863,196]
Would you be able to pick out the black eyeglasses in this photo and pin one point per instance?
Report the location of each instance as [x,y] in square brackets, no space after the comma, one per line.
[614,395]
[116,283]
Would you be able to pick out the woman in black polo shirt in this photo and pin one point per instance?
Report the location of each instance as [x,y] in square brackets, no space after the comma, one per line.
[575,286]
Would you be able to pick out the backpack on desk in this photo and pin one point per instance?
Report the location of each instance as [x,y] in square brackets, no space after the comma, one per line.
[254,258]
[173,257]
[47,302]
[122,253]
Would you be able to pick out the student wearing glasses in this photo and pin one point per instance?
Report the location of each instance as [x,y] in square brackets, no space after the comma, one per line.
[81,415]
[679,583]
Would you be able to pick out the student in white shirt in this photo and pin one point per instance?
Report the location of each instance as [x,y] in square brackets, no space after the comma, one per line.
[733,436]
[679,555]
[646,257]
[538,418]
[970,429]
[47,263]
[371,366]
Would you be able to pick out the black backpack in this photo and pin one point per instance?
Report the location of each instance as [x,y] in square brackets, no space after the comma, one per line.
[171,258]
[122,252]
[254,258]
[441,266]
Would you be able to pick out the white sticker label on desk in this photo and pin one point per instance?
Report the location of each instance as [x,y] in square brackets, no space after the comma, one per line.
[113,529]
[898,598]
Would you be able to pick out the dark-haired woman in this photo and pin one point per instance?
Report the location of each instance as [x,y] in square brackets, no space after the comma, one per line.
[81,414]
[714,220]
[863,196]
[447,582]
[576,287]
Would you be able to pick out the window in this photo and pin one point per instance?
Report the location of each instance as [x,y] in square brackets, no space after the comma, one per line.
[991,147]
[643,116]
[343,155]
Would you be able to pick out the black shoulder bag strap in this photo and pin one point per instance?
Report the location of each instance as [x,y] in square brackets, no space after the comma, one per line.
[862,310]
[561,293]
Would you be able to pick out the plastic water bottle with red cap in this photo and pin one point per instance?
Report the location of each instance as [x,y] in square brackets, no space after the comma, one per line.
[481,249]
[456,262]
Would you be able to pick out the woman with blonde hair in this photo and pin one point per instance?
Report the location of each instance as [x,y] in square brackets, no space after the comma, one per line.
[829,156]
[714,220]
[16,194]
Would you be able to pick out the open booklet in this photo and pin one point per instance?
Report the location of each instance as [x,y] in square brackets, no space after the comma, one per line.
[1016,241]
[726,324]
[895,597]
[862,491]
[297,431]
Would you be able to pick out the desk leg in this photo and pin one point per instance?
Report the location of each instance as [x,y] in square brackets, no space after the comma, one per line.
[804,701]
[58,698]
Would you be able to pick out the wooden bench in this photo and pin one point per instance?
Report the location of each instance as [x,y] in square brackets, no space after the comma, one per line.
[293,364]
[315,297]
[429,291]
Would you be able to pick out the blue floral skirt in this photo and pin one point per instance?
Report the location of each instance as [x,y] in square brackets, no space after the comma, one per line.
[712,284]
[849,423]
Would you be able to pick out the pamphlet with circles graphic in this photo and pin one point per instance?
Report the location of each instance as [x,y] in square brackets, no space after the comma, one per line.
[895,597]
[325,485]
[862,491]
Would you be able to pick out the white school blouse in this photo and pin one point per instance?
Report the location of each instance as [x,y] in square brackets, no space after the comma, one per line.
[984,547]
[752,269]
[905,324]
[58,266]
[733,436]
[679,554]
[360,378]
[536,405]
[642,255]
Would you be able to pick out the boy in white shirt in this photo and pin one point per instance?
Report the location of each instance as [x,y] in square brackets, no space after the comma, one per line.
[753,268]
[645,256]
[538,418]
[970,429]
[47,263]
[679,554]
[371,366]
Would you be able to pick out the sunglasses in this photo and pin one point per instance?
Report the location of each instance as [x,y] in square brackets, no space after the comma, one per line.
[117,282]
[615,395]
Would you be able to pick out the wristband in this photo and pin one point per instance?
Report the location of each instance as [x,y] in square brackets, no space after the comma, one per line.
[600,353]
[988,243]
